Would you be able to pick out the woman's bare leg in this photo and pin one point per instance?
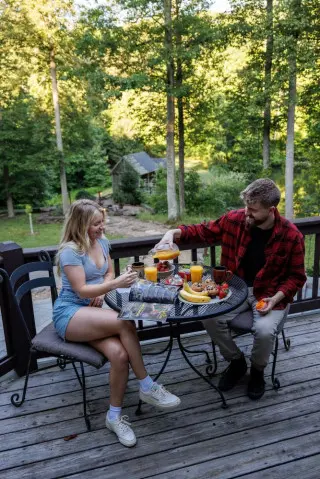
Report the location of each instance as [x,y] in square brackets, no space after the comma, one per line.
[119,366]
[91,324]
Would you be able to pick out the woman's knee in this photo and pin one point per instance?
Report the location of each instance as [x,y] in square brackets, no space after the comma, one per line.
[118,357]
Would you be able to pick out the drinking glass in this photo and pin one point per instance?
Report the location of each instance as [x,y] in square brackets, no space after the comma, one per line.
[151,273]
[196,271]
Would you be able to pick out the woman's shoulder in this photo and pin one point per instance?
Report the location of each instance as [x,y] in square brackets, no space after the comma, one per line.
[70,254]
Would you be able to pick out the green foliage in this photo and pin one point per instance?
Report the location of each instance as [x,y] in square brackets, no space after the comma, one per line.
[158,199]
[128,191]
[218,194]
[84,195]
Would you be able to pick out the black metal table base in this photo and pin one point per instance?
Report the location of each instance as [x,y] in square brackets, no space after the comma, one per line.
[175,334]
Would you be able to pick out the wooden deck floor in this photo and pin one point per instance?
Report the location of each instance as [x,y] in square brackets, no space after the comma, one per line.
[276,437]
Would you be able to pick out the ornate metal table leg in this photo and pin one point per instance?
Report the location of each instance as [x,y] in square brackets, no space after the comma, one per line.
[159,352]
[224,404]
[212,368]
[163,367]
[197,351]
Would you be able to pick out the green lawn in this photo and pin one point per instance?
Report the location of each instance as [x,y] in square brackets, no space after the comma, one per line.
[17,229]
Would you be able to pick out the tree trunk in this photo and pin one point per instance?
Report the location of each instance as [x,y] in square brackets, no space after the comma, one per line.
[55,96]
[171,173]
[6,181]
[292,98]
[181,155]
[180,101]
[267,87]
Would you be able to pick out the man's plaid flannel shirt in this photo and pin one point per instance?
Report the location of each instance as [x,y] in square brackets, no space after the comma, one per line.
[284,268]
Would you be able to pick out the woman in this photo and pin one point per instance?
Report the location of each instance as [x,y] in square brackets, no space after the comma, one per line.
[87,275]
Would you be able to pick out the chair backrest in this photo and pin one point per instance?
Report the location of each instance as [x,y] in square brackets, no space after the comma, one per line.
[26,284]
[21,283]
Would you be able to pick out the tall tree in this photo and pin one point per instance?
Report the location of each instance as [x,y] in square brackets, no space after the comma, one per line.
[56,106]
[267,86]
[295,22]
[171,173]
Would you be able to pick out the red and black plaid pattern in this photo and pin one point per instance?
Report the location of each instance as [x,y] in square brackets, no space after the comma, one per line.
[284,268]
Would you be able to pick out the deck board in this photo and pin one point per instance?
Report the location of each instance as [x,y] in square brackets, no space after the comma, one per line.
[278,436]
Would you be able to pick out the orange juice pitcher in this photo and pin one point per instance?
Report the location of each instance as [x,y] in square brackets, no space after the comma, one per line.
[196,271]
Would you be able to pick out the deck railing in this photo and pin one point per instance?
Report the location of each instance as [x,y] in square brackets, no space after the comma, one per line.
[12,256]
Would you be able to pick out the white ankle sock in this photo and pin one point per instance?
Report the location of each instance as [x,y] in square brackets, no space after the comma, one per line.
[114,413]
[146,384]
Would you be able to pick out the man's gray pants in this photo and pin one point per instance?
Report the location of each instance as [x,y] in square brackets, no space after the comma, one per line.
[265,328]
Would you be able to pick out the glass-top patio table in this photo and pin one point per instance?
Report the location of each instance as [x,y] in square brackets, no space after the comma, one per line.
[182,312]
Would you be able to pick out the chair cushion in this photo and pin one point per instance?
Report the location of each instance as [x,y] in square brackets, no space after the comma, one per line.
[243,322]
[48,341]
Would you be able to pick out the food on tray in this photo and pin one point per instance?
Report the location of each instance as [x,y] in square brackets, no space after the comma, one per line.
[194,298]
[203,292]
[212,290]
[187,288]
[185,274]
[260,304]
[163,266]
[197,287]
[174,281]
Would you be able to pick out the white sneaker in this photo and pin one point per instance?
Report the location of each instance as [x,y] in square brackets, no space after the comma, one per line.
[121,427]
[160,397]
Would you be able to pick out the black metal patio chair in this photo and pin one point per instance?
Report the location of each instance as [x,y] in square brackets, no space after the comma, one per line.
[47,343]
[243,324]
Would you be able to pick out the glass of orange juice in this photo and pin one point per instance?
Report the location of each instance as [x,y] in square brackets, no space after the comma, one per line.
[196,271]
[151,273]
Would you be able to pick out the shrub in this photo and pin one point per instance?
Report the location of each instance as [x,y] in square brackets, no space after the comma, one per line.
[128,191]
[84,195]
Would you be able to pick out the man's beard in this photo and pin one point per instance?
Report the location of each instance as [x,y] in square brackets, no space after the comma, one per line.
[253,223]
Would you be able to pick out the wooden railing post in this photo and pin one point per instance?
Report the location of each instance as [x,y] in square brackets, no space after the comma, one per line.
[11,257]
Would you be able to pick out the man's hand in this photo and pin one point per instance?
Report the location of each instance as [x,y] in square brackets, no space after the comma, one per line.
[97,302]
[168,238]
[271,302]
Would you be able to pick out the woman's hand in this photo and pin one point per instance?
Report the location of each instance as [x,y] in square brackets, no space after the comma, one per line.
[97,302]
[126,279]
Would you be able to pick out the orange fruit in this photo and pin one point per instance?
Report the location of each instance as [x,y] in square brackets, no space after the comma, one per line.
[260,304]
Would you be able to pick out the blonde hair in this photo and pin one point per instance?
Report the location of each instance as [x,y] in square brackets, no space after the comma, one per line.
[76,225]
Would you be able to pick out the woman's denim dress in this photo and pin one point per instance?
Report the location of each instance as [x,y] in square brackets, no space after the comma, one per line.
[68,302]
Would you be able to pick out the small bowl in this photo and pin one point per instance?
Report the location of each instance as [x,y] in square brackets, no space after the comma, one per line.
[166,274]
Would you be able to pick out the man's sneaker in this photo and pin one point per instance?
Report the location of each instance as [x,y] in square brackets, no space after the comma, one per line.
[256,385]
[121,427]
[236,369]
[160,397]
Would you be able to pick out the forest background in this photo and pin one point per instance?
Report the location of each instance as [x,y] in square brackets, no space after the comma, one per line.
[227,97]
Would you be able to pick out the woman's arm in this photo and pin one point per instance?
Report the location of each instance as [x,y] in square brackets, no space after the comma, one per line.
[77,279]
[109,274]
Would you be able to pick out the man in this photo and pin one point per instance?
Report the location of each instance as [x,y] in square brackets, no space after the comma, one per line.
[267,251]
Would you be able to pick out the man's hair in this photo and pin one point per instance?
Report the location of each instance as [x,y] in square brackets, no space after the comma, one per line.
[264,191]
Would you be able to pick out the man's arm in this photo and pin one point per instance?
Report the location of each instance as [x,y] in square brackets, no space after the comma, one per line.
[206,232]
